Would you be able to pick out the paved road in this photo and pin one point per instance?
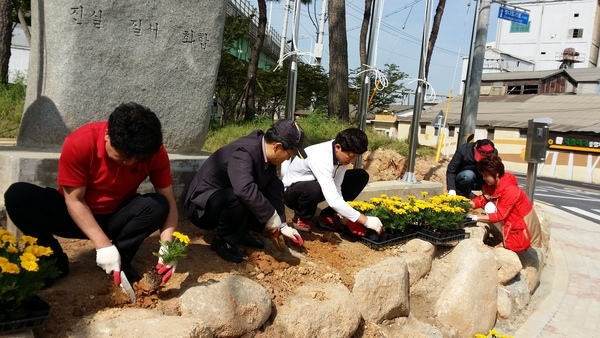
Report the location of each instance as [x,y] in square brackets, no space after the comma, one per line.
[572,308]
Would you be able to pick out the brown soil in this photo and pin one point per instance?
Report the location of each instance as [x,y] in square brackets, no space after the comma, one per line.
[326,257]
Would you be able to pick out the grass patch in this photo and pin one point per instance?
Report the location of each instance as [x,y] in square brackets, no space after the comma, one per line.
[12,100]
[317,128]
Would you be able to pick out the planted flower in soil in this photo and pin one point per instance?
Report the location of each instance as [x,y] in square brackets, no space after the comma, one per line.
[22,272]
[169,254]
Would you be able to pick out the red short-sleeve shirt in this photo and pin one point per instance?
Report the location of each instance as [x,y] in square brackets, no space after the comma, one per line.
[85,162]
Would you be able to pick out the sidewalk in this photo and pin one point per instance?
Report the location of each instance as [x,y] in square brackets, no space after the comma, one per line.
[572,307]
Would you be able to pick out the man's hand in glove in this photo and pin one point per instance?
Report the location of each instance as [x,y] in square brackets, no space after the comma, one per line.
[109,259]
[165,270]
[452,192]
[374,223]
[273,223]
[292,234]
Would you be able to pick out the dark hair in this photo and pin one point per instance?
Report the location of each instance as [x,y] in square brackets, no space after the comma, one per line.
[134,131]
[491,164]
[353,140]
[483,142]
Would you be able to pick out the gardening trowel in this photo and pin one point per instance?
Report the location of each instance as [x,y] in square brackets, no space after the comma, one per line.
[127,287]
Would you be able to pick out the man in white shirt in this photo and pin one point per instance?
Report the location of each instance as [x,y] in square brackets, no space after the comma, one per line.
[324,176]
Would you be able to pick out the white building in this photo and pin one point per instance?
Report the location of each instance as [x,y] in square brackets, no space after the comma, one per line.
[560,33]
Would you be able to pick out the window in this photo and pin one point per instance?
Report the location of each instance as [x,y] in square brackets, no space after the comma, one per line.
[490,133]
[530,89]
[423,128]
[543,53]
[576,33]
[451,131]
[516,27]
[576,15]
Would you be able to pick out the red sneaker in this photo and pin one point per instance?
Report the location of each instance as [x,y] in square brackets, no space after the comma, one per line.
[302,224]
[331,222]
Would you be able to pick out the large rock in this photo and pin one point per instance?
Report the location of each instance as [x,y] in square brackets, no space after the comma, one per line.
[418,255]
[87,57]
[230,307]
[533,261]
[382,290]
[131,322]
[469,299]
[509,264]
[317,310]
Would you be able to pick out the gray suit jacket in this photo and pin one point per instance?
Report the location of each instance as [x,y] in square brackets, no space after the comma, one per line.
[240,165]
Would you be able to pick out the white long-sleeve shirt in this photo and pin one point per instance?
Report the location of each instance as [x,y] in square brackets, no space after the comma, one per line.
[321,165]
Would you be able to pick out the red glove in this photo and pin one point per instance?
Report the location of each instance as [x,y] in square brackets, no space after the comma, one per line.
[166,271]
[356,228]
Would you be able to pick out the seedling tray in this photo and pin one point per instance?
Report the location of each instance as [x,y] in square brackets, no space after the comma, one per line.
[442,237]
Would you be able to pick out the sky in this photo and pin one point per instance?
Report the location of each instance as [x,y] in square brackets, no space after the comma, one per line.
[399,38]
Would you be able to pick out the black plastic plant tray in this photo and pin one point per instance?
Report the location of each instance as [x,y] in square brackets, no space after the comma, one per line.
[22,324]
[468,222]
[395,239]
[442,237]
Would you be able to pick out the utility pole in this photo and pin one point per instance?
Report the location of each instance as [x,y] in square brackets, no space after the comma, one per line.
[290,101]
[470,104]
[409,176]
[283,40]
[318,51]
[365,88]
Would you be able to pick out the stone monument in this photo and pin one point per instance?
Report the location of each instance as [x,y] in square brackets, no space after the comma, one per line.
[88,56]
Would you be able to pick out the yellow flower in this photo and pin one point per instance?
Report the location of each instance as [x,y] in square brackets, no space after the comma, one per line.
[11,249]
[181,237]
[29,265]
[9,267]
[6,237]
[28,240]
[424,193]
[38,251]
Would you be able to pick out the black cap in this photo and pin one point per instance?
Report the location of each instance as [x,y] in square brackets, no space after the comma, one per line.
[292,134]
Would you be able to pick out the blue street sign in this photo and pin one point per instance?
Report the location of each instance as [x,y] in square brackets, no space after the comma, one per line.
[512,15]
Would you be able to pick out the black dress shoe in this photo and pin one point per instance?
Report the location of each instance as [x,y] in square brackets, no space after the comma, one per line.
[252,242]
[225,250]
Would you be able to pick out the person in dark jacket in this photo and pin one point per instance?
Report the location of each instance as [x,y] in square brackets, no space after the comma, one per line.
[461,175]
[237,189]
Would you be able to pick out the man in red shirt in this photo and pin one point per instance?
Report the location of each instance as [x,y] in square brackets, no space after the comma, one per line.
[100,168]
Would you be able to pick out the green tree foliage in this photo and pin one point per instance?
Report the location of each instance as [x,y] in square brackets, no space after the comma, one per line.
[383,97]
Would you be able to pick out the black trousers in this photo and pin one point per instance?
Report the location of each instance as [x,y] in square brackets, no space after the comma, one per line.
[226,213]
[303,197]
[42,213]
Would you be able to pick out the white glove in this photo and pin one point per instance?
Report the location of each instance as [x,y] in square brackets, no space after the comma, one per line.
[473,217]
[108,258]
[490,208]
[452,192]
[374,223]
[274,223]
[292,234]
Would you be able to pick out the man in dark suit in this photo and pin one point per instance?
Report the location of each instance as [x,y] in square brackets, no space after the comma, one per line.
[237,189]
[462,176]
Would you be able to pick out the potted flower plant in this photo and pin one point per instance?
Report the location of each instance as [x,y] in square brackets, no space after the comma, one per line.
[22,274]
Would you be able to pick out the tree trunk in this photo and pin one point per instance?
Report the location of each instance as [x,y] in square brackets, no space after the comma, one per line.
[5,38]
[364,28]
[338,61]
[250,111]
[437,20]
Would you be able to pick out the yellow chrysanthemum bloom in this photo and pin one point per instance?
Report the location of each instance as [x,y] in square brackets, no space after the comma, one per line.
[181,237]
[29,265]
[39,251]
[8,267]
[28,240]
[424,193]
[6,237]
[11,249]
